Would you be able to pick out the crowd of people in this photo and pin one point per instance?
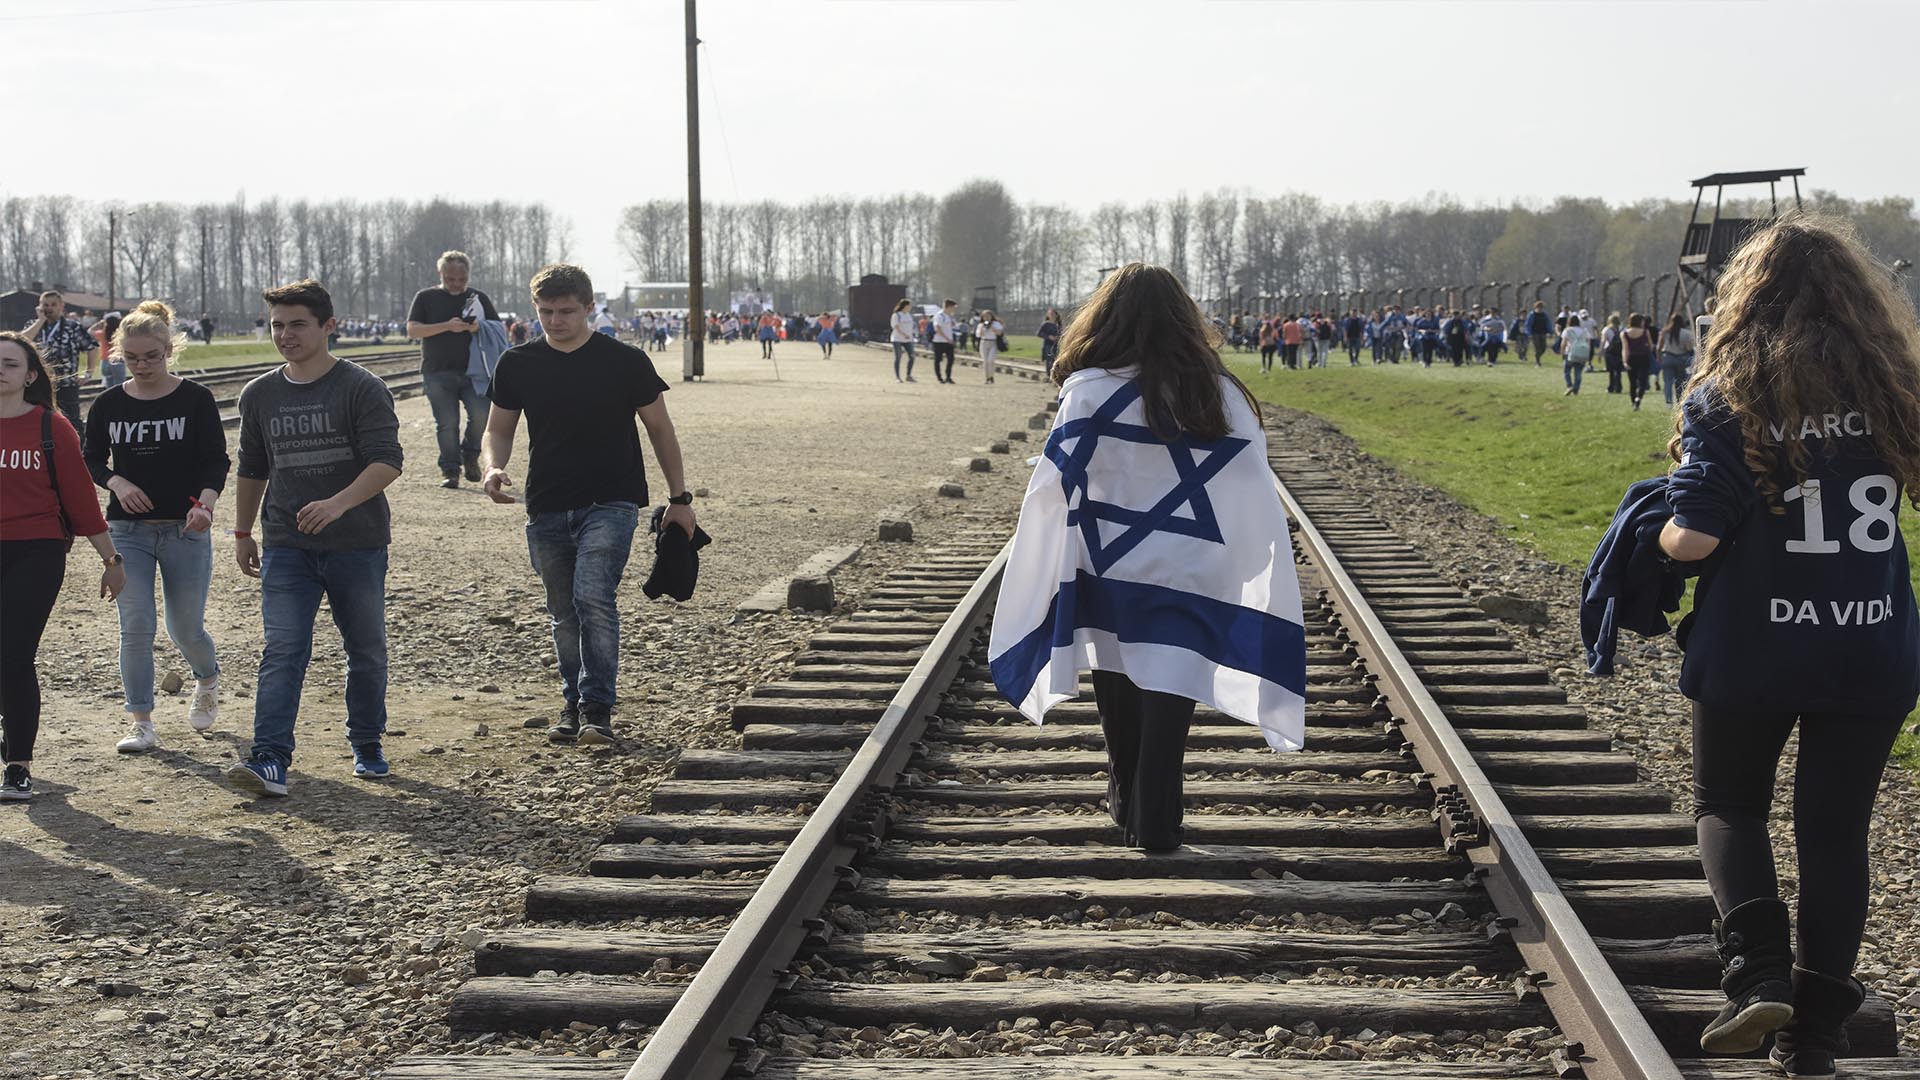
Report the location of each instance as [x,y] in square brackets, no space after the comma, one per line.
[318,445]
[1633,351]
[1812,384]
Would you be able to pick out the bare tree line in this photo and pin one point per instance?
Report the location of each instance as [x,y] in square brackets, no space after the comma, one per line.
[217,257]
[1230,246]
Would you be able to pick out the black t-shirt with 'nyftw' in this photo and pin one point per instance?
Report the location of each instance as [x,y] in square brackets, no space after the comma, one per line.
[579,408]
[445,352]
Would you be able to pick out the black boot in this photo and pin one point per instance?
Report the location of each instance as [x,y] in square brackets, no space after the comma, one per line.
[1805,1048]
[1753,942]
[473,467]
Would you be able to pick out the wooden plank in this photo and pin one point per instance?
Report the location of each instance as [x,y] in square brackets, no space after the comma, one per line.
[1567,766]
[1192,951]
[1547,694]
[1190,1005]
[499,1003]
[1677,1016]
[1084,711]
[525,952]
[1557,831]
[1170,1067]
[919,860]
[607,899]
[765,764]
[508,1067]
[1071,736]
[1483,673]
[1060,735]
[1109,860]
[1856,1068]
[828,710]
[1529,717]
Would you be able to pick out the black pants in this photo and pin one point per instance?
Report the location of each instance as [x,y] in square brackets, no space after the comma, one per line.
[940,349]
[30,575]
[1427,346]
[1146,748]
[1292,355]
[1638,369]
[1457,350]
[66,398]
[1735,752]
[1493,352]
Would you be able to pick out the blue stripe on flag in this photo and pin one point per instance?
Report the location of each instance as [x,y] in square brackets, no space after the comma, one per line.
[1228,635]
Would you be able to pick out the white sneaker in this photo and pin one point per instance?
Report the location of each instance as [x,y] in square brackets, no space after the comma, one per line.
[205,708]
[141,738]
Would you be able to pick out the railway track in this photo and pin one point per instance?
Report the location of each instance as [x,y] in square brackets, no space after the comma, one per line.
[1457,880]
[399,369]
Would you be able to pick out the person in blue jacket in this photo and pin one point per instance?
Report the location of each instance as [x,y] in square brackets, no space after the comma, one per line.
[1795,451]
[1427,335]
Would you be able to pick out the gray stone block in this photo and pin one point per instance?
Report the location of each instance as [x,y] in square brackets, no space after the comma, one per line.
[895,529]
[1514,608]
[1039,422]
[810,594]
[953,491]
[1000,447]
[980,464]
[1016,436]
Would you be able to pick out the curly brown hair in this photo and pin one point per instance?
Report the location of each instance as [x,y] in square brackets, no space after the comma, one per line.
[1807,321]
[1142,315]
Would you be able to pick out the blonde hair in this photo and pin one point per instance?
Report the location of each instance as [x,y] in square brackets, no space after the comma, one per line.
[452,257]
[1808,322]
[152,319]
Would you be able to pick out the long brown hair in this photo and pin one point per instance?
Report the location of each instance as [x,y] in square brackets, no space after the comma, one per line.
[40,390]
[1141,315]
[1808,322]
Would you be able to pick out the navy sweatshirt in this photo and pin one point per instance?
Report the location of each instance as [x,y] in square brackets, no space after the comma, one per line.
[1810,610]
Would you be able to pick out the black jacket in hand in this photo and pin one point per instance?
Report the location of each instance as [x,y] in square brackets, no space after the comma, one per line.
[676,559]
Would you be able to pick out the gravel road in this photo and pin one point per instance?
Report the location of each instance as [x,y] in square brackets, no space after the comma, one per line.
[156,924]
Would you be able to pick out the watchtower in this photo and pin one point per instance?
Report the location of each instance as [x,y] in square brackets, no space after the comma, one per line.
[1711,242]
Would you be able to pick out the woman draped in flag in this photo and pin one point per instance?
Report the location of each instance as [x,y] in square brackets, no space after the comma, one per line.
[1152,551]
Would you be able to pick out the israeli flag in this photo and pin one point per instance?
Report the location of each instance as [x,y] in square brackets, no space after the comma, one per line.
[1166,562]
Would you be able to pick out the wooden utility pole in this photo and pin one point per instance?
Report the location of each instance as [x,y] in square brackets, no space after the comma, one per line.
[693,363]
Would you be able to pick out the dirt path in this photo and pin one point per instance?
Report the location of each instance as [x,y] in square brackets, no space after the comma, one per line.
[318,936]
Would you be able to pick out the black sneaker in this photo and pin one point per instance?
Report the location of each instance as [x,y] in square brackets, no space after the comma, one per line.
[597,728]
[568,729]
[473,469]
[450,478]
[18,785]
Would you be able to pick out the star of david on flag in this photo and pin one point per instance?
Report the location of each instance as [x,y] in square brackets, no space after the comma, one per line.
[1166,561]
[1087,433]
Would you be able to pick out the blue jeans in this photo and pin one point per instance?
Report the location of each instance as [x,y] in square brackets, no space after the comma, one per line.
[580,556]
[1571,370]
[1673,375]
[292,581]
[898,348]
[113,372]
[447,391]
[185,563]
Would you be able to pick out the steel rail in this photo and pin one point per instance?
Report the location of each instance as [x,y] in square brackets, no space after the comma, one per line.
[710,1024]
[1608,1038]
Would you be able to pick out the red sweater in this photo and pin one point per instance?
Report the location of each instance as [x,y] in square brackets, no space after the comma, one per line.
[28,508]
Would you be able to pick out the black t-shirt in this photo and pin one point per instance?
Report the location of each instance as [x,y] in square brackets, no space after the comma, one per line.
[172,448]
[445,352]
[579,408]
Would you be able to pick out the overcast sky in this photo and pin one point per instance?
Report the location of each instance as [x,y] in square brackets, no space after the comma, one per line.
[581,103]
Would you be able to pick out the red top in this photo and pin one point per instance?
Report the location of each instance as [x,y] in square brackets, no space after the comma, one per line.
[28,508]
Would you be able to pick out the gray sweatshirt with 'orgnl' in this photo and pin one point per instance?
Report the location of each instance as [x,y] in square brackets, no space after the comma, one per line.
[308,441]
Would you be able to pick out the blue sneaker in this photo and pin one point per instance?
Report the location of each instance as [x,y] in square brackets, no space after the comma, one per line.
[262,775]
[368,762]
